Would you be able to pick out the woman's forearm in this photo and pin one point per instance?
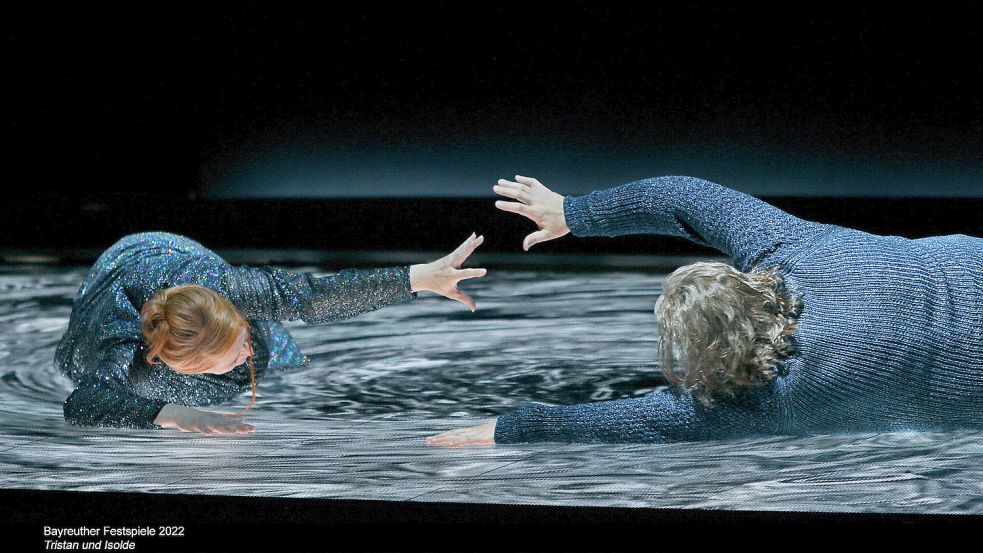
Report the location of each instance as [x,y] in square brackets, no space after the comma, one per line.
[269,294]
[97,404]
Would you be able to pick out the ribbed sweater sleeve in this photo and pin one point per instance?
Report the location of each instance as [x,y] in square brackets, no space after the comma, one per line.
[743,227]
[666,416]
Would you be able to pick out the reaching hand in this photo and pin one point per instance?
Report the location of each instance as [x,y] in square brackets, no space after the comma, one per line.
[536,202]
[442,276]
[203,422]
[482,435]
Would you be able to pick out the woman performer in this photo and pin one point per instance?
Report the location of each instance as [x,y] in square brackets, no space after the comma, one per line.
[162,325]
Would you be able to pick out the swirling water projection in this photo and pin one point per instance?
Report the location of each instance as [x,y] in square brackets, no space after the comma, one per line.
[352,424]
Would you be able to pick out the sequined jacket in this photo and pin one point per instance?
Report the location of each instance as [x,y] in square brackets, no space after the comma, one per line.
[103,350]
[890,336]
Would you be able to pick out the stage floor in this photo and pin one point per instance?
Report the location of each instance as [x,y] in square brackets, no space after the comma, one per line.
[352,425]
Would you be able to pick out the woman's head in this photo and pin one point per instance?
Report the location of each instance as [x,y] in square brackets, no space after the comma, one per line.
[194,330]
[191,329]
[725,328]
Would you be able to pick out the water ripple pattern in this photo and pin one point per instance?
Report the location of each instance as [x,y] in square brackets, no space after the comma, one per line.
[352,424]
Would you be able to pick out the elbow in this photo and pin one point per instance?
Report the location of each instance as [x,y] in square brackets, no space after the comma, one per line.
[656,192]
[76,413]
[73,412]
[673,183]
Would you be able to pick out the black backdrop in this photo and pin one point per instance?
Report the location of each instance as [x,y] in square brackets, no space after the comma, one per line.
[122,115]
[118,115]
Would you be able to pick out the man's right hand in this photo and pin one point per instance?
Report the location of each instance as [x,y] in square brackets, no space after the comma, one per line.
[536,202]
[188,419]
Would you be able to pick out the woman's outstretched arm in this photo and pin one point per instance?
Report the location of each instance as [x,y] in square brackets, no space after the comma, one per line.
[743,227]
[271,294]
[274,294]
[656,418]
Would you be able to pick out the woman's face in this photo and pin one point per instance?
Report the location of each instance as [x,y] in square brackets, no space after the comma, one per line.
[236,356]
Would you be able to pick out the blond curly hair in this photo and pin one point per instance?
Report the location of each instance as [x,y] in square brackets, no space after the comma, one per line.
[725,329]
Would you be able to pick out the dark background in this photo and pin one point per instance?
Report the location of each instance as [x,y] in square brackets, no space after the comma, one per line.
[148,115]
[128,117]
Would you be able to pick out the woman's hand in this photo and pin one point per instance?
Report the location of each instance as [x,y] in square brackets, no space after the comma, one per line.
[204,422]
[536,202]
[482,435]
[442,276]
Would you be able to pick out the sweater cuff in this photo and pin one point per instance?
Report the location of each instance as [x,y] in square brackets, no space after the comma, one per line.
[507,430]
[142,412]
[531,422]
[152,410]
[404,278]
[580,221]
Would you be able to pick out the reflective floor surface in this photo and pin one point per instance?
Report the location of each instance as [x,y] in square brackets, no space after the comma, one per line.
[352,425]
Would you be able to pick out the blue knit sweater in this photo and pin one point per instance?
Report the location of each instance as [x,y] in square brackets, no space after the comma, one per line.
[890,336]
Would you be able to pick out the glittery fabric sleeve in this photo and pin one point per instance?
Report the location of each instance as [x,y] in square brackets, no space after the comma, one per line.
[661,417]
[273,294]
[743,227]
[103,399]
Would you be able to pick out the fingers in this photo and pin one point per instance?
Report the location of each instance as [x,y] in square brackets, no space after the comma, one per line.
[515,207]
[471,443]
[468,241]
[458,438]
[201,429]
[234,426]
[463,274]
[436,440]
[449,437]
[535,238]
[226,429]
[482,435]
[464,246]
[230,423]
[468,246]
[461,254]
[513,190]
[529,181]
[463,298]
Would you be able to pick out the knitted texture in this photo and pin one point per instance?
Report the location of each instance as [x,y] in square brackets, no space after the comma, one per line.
[103,349]
[890,336]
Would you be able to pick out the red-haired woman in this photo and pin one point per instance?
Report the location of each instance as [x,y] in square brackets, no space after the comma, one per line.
[162,325]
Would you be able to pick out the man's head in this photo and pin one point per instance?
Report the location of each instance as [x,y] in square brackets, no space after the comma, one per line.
[725,329]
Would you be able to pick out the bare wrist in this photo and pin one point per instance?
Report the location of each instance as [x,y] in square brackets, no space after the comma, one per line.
[418,277]
[168,414]
[415,278]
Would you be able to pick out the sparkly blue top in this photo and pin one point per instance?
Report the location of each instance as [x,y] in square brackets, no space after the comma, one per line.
[890,337]
[103,349]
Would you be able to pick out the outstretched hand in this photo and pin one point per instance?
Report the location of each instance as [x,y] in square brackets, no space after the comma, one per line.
[189,419]
[442,276]
[536,202]
[482,435]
